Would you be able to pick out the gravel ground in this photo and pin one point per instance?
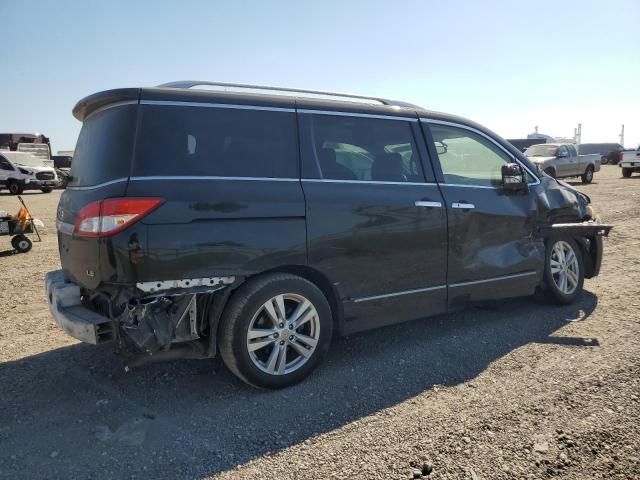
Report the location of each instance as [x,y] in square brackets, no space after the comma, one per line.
[521,390]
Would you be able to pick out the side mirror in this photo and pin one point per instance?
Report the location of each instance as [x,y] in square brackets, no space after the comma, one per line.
[562,155]
[514,177]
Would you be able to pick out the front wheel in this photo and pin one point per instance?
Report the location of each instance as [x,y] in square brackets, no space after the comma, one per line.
[275,330]
[587,176]
[604,160]
[564,272]
[14,187]
[46,189]
[626,172]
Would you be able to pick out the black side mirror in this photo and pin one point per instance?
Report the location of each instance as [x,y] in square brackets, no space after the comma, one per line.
[514,177]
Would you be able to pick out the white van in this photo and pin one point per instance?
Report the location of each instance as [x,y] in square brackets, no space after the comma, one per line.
[21,171]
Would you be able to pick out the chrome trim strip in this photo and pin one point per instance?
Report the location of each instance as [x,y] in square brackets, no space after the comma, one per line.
[475,130]
[464,206]
[421,203]
[494,279]
[111,105]
[91,187]
[468,186]
[372,182]
[397,294]
[64,227]
[214,105]
[355,114]
[196,177]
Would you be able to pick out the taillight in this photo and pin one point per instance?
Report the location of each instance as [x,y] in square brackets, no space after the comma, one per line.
[110,216]
[620,155]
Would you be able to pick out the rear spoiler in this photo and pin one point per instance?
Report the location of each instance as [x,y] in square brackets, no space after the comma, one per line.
[92,103]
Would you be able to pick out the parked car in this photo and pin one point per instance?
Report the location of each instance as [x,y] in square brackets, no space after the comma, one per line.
[21,171]
[523,143]
[561,160]
[258,225]
[609,152]
[61,161]
[630,162]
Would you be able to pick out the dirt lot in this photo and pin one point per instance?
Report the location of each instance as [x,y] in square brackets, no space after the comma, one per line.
[522,390]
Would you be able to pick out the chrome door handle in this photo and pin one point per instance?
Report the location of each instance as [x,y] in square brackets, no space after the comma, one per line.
[462,205]
[421,203]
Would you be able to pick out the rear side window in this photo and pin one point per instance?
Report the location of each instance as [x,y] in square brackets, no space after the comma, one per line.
[210,141]
[104,148]
[340,147]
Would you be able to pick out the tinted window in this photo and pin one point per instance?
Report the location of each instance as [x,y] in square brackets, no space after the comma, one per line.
[104,148]
[227,142]
[467,158]
[360,148]
[5,165]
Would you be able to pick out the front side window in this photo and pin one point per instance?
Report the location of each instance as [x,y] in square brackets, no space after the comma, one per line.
[361,149]
[225,142]
[467,158]
[5,165]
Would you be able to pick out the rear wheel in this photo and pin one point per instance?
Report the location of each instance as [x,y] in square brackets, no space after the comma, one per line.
[21,243]
[14,187]
[604,160]
[564,271]
[46,189]
[626,172]
[587,176]
[275,330]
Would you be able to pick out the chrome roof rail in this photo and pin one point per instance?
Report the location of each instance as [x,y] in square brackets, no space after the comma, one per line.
[194,83]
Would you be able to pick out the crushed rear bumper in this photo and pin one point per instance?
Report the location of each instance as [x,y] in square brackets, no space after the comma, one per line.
[71,316]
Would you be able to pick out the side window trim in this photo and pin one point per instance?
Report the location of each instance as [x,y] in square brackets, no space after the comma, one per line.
[421,150]
[428,121]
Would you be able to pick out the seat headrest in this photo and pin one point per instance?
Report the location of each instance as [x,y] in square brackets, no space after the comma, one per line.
[388,167]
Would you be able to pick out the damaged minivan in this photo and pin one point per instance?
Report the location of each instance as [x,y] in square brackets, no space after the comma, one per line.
[259,222]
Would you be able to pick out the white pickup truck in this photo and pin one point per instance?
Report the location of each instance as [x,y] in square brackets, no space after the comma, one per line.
[630,162]
[561,160]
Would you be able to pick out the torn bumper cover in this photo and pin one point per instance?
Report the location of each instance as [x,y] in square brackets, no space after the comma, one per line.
[590,235]
[71,316]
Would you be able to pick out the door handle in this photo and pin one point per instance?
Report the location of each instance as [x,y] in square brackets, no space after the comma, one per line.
[422,203]
[464,206]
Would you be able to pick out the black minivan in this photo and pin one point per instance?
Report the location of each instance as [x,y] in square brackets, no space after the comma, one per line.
[260,225]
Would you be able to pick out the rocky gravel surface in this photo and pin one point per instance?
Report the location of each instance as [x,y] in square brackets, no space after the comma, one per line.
[516,390]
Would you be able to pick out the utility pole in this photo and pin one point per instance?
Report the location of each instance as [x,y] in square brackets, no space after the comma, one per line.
[622,135]
[579,134]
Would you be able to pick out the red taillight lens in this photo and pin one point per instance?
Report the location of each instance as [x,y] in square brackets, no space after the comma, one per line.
[620,155]
[110,216]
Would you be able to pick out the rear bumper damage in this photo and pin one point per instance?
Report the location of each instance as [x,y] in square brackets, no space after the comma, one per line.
[65,305]
[159,319]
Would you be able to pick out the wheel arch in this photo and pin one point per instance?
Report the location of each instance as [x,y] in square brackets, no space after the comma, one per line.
[221,299]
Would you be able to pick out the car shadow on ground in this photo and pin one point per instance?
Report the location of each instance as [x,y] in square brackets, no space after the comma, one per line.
[74,410]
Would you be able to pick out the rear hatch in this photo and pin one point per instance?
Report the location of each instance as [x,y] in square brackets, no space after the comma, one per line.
[100,170]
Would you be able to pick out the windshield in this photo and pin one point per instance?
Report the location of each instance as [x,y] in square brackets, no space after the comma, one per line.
[541,151]
[23,159]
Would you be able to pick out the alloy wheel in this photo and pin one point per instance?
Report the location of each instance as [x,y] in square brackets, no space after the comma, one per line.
[283,334]
[565,269]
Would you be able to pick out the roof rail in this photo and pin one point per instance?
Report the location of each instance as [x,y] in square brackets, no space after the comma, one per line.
[194,83]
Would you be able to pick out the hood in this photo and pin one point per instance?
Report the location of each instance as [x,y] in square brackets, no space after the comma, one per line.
[540,159]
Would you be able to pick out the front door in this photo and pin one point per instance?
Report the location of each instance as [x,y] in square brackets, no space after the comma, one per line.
[376,228]
[492,252]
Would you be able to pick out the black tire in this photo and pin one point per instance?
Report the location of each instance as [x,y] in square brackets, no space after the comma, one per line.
[14,187]
[21,243]
[550,171]
[587,176]
[46,189]
[551,290]
[604,160]
[244,304]
[626,172]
